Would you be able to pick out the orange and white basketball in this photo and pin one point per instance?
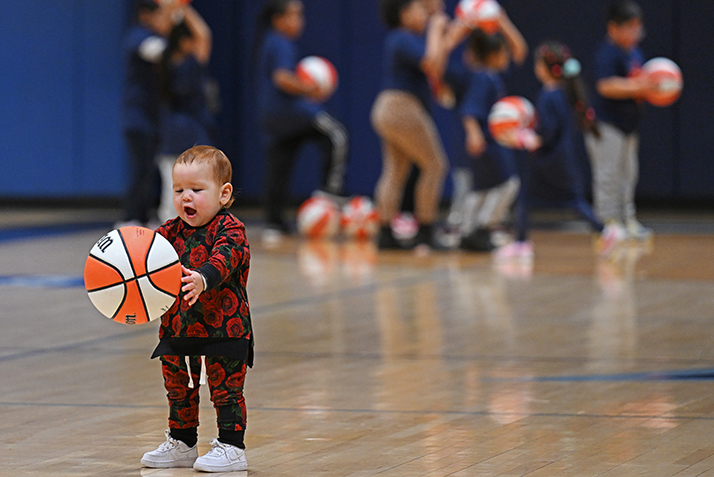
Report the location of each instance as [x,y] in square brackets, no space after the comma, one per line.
[509,115]
[360,220]
[668,77]
[481,14]
[318,71]
[318,218]
[132,275]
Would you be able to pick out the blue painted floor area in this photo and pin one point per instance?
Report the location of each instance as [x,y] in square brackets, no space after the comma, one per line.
[41,281]
[21,233]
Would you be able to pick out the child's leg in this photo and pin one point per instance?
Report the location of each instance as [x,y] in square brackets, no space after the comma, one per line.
[390,186]
[497,203]
[226,377]
[280,160]
[334,142]
[463,183]
[631,173]
[606,157]
[583,208]
[183,401]
[166,206]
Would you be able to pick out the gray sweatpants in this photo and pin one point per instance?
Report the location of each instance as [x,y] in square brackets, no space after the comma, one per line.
[615,169]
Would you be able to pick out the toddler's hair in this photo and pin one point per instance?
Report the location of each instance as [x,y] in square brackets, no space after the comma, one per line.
[483,45]
[390,10]
[222,168]
[562,66]
[622,11]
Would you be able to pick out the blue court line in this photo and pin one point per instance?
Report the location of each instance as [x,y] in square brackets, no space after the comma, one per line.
[706,374]
[19,233]
[41,281]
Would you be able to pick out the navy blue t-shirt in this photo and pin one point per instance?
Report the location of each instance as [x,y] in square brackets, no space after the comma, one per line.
[553,171]
[281,113]
[403,52]
[611,60]
[186,120]
[141,102]
[497,163]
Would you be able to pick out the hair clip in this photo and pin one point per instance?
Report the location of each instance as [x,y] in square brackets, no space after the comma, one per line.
[571,68]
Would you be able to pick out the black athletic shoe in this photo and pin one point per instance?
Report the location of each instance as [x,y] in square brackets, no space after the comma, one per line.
[477,241]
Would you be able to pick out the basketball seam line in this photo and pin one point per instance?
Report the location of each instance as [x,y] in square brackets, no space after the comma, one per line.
[131,264]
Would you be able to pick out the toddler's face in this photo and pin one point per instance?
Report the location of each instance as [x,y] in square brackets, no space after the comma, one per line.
[197,195]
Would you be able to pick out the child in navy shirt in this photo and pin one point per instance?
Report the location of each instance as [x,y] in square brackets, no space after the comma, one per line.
[551,177]
[495,181]
[185,117]
[290,113]
[143,46]
[618,103]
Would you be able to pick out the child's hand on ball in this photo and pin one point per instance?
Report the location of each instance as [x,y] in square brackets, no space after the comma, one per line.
[193,287]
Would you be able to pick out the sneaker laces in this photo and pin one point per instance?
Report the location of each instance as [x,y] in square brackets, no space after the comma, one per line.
[218,448]
[169,444]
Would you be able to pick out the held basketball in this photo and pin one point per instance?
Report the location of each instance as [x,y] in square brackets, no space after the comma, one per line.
[481,14]
[316,70]
[318,218]
[132,275]
[360,220]
[508,116]
[668,77]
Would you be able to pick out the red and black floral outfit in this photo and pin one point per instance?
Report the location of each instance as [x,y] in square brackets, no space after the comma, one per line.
[217,327]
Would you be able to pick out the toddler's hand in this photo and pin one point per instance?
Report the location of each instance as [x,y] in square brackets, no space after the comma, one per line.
[193,285]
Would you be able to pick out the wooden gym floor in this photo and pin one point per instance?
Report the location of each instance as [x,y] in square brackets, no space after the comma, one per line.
[384,364]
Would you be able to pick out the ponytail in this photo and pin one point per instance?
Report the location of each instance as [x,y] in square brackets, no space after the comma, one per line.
[562,66]
[264,23]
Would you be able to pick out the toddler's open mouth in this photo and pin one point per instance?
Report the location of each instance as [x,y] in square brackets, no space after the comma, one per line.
[189,211]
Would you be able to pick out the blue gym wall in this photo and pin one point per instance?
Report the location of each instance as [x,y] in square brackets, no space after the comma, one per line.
[61,74]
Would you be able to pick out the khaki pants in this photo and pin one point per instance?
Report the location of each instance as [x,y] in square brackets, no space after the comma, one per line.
[409,136]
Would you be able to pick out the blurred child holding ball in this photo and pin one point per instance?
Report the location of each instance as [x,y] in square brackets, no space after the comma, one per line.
[618,104]
[290,112]
[551,177]
[495,179]
[206,337]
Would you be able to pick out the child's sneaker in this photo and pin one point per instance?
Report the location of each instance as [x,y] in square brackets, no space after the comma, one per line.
[521,251]
[172,453]
[637,231]
[612,235]
[222,458]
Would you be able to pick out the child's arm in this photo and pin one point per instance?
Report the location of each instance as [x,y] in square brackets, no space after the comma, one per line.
[619,87]
[202,36]
[514,38]
[475,140]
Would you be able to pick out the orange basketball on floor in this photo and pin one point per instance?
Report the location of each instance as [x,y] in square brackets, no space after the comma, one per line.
[318,218]
[132,275]
[360,220]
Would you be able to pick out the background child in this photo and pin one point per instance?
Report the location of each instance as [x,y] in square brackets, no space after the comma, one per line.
[400,116]
[495,179]
[186,119]
[143,46]
[208,328]
[551,177]
[619,87]
[290,113]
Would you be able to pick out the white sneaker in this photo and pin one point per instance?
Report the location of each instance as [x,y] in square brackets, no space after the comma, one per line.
[222,458]
[172,453]
[612,235]
[637,231]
